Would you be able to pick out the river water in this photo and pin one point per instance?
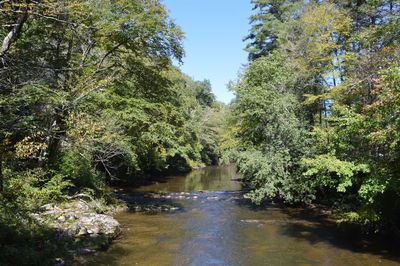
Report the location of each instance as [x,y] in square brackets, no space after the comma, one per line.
[215,225]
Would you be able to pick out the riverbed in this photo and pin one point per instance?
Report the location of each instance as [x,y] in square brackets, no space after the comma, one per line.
[213,224]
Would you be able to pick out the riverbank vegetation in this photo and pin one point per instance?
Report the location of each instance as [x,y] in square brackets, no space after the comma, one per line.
[89,96]
[316,114]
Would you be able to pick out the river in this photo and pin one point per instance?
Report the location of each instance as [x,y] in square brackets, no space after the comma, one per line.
[215,225]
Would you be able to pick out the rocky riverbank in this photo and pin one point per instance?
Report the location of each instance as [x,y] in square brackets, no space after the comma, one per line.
[83,222]
[78,218]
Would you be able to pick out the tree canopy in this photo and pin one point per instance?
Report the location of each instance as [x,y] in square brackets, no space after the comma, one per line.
[89,96]
[315,115]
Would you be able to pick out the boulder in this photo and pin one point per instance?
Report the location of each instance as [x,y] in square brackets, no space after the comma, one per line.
[78,218]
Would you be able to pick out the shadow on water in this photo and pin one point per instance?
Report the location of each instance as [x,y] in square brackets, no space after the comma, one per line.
[306,225]
[302,224]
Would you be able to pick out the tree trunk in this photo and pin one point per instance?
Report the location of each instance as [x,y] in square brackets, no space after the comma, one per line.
[10,37]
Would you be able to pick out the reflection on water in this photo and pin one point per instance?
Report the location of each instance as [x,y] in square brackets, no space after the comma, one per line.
[210,178]
[219,227]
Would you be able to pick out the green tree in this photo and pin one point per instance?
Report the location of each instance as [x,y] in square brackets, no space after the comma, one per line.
[348,102]
[269,128]
[267,24]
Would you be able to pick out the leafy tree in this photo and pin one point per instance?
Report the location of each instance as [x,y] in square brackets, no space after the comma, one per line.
[269,129]
[267,23]
[89,96]
[338,82]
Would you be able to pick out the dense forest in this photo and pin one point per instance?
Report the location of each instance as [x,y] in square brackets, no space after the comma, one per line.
[316,114]
[91,96]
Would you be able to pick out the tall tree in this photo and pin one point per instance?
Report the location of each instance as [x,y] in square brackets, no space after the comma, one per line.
[343,58]
[266,25]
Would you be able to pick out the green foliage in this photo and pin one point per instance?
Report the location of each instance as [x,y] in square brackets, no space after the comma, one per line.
[267,24]
[25,242]
[322,119]
[89,96]
[273,175]
[267,114]
[32,188]
[77,169]
[268,126]
[203,93]
[365,217]
[330,172]
[101,100]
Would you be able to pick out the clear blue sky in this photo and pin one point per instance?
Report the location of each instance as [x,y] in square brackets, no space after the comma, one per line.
[214,30]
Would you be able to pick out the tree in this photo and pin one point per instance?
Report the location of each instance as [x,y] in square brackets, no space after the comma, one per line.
[270,131]
[267,24]
[343,57]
